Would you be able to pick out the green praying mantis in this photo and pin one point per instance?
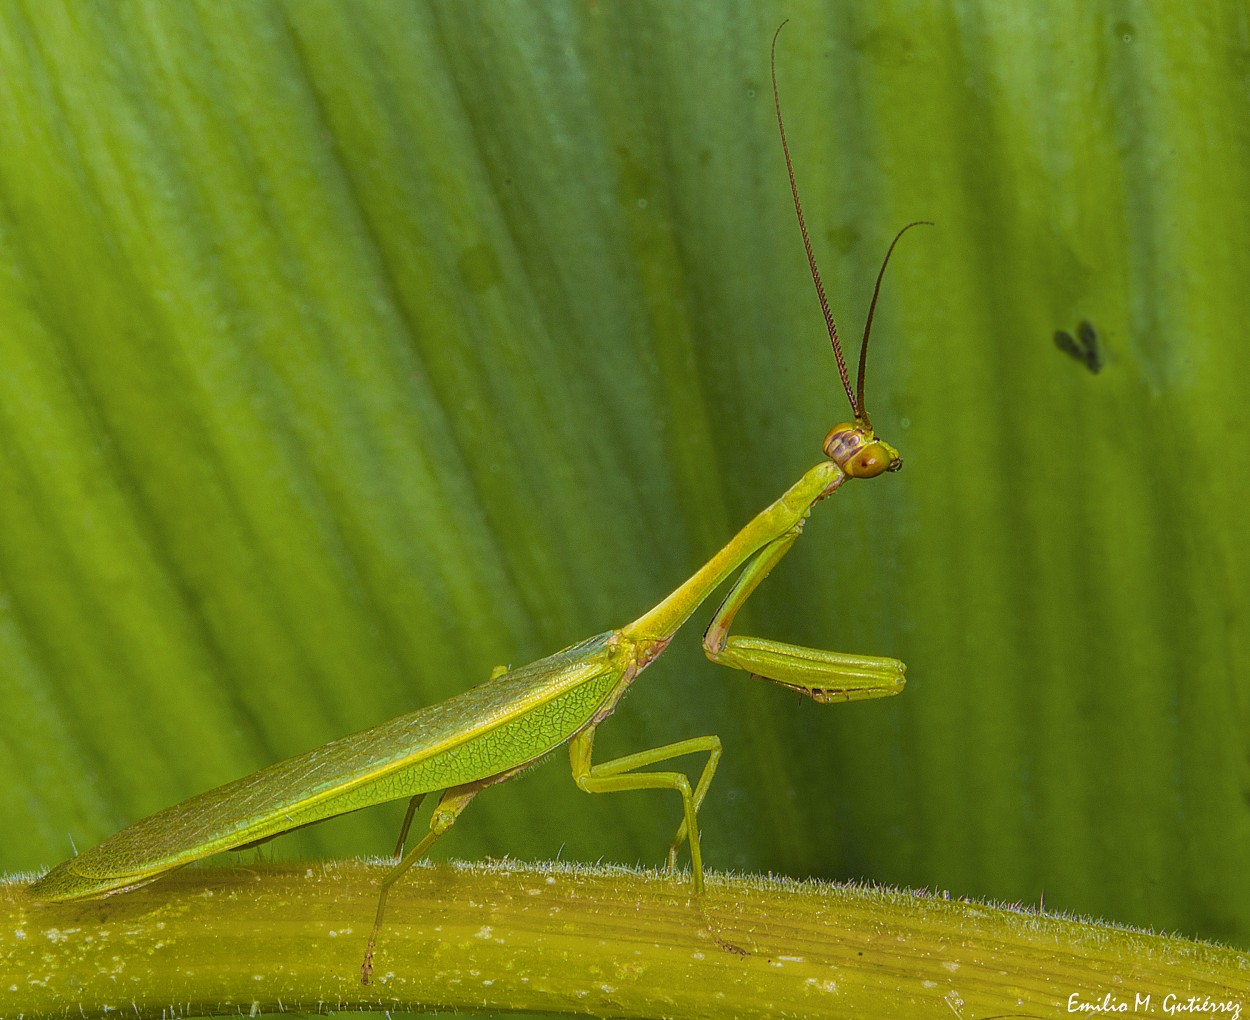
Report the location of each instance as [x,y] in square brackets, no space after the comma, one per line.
[495,731]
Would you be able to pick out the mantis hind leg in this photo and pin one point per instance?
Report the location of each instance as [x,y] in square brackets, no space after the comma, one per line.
[449,807]
[621,774]
[413,805]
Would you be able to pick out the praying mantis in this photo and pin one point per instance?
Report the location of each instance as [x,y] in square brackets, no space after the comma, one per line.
[496,730]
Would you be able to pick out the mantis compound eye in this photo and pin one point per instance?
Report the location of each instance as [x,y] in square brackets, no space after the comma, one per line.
[874,459]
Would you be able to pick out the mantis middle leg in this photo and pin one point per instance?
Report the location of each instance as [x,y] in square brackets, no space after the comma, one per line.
[621,774]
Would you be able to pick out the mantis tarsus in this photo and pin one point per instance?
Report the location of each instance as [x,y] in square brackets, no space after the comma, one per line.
[496,730]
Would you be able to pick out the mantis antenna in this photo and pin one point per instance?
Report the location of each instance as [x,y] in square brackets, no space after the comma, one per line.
[856,399]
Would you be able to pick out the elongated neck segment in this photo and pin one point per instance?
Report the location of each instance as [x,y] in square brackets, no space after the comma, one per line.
[776,520]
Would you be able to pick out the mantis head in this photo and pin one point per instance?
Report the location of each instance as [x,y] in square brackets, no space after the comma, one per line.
[858,452]
[853,446]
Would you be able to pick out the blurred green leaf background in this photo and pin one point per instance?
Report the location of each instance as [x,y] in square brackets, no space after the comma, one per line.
[350,349]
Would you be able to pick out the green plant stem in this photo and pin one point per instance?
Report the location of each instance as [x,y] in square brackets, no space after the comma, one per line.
[579,941]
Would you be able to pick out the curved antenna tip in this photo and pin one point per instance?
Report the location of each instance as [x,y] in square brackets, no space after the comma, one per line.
[858,403]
